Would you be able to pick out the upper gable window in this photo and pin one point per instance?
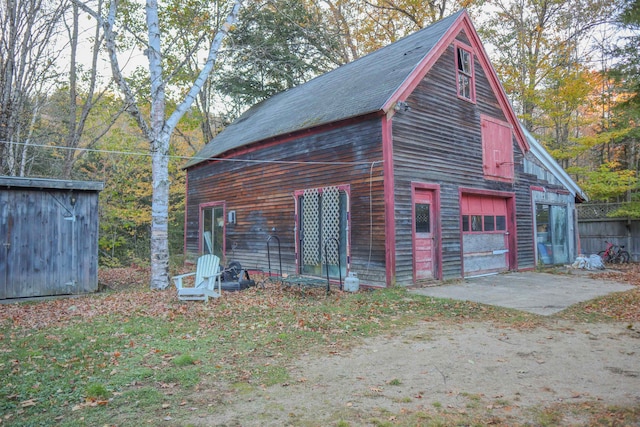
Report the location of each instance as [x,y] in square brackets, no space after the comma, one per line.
[464,73]
[497,150]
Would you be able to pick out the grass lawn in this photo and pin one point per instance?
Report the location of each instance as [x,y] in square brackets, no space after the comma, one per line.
[125,356]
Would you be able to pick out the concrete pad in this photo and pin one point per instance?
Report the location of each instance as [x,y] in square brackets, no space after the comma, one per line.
[538,293]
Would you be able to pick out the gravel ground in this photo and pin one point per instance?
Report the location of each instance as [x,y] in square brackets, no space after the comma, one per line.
[436,366]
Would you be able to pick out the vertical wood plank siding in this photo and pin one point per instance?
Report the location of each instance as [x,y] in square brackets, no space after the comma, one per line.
[42,252]
[439,141]
[261,193]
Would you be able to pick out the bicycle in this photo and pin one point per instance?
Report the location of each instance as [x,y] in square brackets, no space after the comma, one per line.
[614,254]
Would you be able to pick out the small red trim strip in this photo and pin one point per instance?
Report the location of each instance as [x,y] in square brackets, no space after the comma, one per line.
[186,212]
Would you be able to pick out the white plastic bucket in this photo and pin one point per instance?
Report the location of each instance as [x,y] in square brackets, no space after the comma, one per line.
[351,282]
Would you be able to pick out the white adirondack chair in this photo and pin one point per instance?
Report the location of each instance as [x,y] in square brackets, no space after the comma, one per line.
[206,276]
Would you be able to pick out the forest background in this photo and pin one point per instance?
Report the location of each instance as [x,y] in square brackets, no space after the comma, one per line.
[570,68]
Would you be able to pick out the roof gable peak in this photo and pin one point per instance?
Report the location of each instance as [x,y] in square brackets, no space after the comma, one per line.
[461,24]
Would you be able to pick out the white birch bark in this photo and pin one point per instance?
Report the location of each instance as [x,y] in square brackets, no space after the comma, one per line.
[158,130]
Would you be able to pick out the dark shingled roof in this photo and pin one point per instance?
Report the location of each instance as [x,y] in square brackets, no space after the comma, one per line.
[355,89]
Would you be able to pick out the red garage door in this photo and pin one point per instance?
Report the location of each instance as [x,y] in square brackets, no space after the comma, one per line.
[485,234]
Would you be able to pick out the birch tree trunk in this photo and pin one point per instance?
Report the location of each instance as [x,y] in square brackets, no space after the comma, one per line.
[160,212]
[159,155]
[161,131]
[158,130]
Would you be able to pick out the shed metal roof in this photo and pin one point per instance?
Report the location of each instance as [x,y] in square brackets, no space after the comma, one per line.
[45,183]
[549,162]
[355,89]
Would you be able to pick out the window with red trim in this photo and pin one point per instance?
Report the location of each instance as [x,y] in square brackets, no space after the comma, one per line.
[484,223]
[465,74]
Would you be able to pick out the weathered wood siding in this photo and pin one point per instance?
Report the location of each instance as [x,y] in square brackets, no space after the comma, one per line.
[594,233]
[48,245]
[439,141]
[261,191]
[595,226]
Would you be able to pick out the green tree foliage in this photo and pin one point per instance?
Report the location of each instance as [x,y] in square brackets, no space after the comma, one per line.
[365,26]
[628,68]
[189,23]
[564,120]
[609,182]
[389,20]
[627,76]
[618,152]
[126,199]
[55,125]
[536,42]
[278,44]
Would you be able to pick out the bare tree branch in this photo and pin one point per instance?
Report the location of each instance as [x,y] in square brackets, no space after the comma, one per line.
[110,43]
[208,67]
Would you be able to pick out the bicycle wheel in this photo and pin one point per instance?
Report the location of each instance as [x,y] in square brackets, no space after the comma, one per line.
[624,257]
[605,256]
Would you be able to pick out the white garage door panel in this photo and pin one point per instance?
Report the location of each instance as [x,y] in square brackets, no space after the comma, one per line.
[482,242]
[480,264]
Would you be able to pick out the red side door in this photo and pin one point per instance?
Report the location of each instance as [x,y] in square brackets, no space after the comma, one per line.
[424,234]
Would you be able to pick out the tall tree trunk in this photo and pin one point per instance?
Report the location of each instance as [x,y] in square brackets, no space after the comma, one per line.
[77,122]
[158,130]
[9,41]
[160,212]
[161,131]
[73,106]
[159,156]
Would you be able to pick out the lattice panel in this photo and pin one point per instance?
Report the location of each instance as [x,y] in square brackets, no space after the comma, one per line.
[310,217]
[597,210]
[331,223]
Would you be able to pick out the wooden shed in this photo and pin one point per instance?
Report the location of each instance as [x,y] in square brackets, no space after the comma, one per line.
[48,237]
[406,165]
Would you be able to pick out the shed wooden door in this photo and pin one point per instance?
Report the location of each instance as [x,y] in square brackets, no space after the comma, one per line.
[423,234]
[39,242]
[485,234]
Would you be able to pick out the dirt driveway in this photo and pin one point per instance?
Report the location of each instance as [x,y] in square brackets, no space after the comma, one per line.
[437,368]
